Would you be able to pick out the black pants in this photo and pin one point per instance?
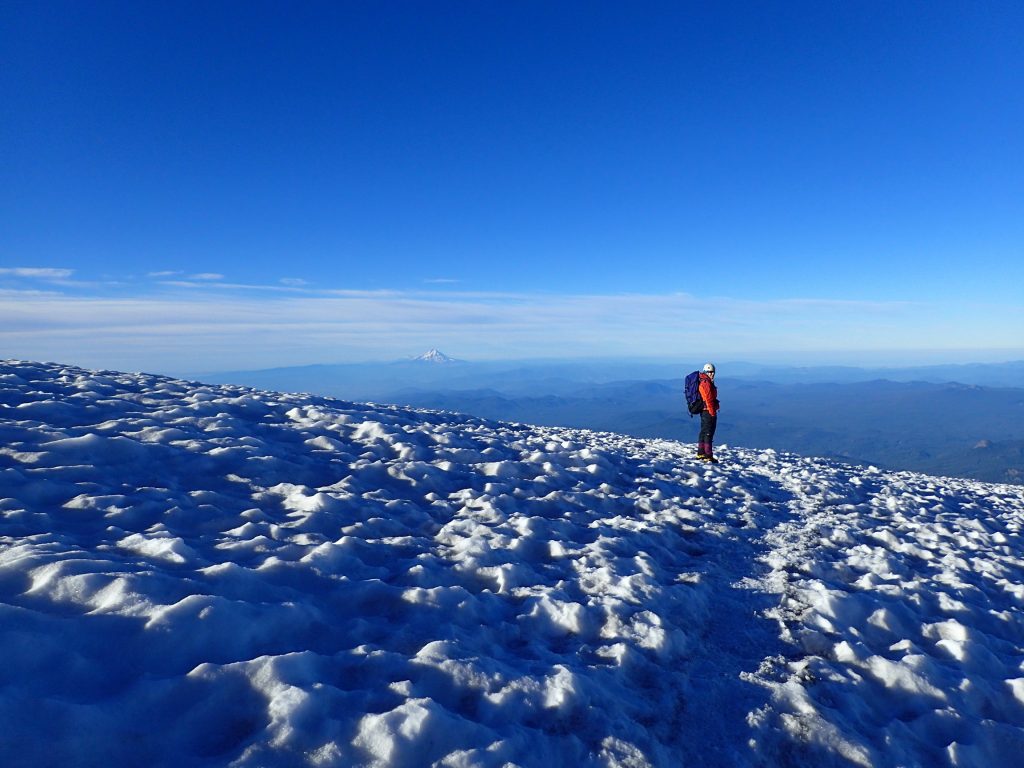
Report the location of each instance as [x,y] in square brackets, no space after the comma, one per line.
[708,423]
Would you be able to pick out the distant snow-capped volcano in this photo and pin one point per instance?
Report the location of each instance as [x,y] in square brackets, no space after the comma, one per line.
[216,575]
[435,356]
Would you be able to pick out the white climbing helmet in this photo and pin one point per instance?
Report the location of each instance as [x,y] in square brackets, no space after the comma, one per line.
[709,369]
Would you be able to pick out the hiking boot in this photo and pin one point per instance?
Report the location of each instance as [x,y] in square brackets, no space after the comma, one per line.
[710,459]
[702,456]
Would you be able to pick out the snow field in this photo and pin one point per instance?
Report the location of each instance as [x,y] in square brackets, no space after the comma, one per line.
[903,592]
[212,575]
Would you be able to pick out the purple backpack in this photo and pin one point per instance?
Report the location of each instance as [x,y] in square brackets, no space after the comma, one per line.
[694,402]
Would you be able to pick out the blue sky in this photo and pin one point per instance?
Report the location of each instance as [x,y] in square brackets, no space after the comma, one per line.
[189,186]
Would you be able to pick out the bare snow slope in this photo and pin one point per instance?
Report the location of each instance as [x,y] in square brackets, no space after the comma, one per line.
[213,575]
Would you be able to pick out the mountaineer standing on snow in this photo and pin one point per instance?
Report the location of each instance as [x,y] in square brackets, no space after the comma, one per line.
[708,413]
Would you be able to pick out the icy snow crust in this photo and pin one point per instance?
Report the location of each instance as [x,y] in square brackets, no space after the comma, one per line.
[212,575]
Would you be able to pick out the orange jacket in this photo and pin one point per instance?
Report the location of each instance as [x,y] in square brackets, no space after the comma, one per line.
[709,394]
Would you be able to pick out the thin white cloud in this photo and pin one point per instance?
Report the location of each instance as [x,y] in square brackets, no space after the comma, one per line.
[39,273]
[204,276]
[241,289]
[293,282]
[441,281]
[21,294]
[200,329]
[230,287]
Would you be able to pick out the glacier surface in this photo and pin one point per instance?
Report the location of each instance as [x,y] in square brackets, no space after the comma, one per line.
[213,575]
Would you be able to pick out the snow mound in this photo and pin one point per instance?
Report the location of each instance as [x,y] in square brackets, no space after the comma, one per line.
[213,575]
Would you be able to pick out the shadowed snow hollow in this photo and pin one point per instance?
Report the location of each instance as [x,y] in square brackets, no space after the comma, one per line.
[213,575]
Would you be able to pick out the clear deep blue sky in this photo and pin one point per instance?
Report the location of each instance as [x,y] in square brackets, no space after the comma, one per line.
[498,178]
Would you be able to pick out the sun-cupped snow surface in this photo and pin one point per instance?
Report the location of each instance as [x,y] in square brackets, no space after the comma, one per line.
[213,575]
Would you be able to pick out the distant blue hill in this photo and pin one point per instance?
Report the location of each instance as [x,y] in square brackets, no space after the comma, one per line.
[536,377]
[988,374]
